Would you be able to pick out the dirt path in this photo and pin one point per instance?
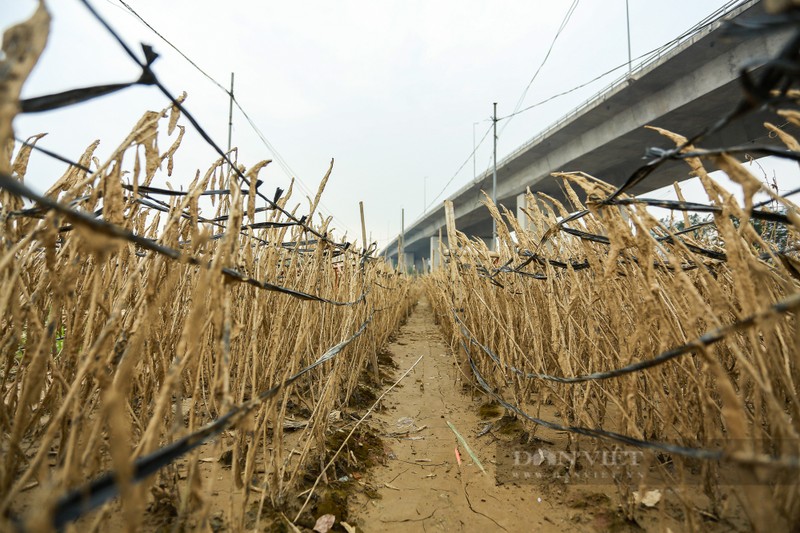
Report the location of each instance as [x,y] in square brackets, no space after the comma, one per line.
[422,487]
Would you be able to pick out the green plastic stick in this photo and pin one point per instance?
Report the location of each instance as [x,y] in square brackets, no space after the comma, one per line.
[466,447]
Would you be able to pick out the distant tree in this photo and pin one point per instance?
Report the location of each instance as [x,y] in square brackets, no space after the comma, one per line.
[774,234]
[706,232]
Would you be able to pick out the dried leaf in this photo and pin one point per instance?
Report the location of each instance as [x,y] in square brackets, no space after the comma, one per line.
[650,498]
[324,523]
[23,43]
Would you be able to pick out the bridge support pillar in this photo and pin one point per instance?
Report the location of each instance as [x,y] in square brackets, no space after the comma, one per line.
[534,229]
[525,201]
[436,257]
[408,262]
[522,217]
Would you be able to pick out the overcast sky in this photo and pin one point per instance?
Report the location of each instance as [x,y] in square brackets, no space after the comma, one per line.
[390,89]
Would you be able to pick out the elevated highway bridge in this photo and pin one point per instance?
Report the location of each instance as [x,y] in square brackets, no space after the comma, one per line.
[688,87]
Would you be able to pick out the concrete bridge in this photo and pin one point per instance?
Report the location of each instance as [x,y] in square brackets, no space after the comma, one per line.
[686,88]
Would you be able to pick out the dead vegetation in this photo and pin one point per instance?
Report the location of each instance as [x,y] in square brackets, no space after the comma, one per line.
[166,346]
[183,354]
[112,350]
[550,317]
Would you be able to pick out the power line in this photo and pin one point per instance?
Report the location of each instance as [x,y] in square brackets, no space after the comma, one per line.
[563,93]
[276,155]
[563,25]
[698,27]
[560,29]
[187,58]
[282,162]
[149,57]
[517,111]
[709,19]
[460,168]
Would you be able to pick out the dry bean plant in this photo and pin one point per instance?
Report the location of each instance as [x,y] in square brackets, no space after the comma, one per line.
[133,324]
[702,322]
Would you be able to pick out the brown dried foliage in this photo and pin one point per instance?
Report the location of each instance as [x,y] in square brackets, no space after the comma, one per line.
[640,297]
[110,352]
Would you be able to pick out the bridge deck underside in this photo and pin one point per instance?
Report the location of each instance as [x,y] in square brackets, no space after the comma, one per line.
[616,161]
[683,93]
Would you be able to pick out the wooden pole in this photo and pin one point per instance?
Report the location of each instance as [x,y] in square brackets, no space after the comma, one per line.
[363,228]
[374,354]
[452,255]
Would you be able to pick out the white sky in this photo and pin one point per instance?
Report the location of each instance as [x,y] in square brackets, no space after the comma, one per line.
[390,89]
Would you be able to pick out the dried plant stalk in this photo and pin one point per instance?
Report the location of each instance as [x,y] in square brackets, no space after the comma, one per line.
[618,286]
[111,351]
